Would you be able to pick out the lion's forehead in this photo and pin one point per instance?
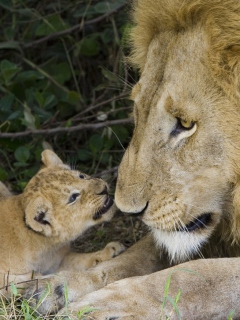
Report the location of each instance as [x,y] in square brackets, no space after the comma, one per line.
[181,69]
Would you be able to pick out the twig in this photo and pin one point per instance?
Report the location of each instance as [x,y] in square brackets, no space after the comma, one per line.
[78,27]
[90,108]
[21,282]
[80,127]
[45,74]
[102,173]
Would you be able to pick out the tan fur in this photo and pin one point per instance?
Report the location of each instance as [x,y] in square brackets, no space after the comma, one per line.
[189,52]
[184,181]
[38,225]
[4,192]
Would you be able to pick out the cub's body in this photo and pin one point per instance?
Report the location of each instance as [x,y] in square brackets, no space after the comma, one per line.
[21,249]
[37,226]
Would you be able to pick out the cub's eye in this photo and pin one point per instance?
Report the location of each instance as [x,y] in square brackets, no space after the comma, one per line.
[73,197]
[82,176]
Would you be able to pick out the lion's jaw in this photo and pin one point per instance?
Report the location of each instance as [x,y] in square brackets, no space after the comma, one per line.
[175,174]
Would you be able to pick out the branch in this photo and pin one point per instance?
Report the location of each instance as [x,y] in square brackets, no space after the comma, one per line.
[80,127]
[102,173]
[92,107]
[78,27]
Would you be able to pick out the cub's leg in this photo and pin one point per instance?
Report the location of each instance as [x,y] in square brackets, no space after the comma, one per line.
[140,259]
[82,261]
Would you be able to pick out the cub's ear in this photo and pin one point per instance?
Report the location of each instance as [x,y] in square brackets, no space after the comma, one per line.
[4,192]
[49,158]
[38,214]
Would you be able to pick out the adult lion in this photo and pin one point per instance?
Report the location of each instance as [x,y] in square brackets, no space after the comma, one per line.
[181,170]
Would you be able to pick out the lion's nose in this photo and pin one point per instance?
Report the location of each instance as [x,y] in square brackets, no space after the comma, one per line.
[104,191]
[137,213]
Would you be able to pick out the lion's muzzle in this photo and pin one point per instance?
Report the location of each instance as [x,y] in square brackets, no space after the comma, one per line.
[200,222]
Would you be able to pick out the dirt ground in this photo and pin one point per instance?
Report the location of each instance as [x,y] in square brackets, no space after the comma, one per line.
[124,228]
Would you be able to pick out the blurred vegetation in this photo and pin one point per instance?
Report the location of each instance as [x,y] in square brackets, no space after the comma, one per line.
[64,81]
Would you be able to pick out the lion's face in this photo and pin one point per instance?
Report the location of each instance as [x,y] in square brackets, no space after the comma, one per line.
[63,203]
[176,170]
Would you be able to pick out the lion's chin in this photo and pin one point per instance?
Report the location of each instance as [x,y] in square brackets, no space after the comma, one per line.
[180,245]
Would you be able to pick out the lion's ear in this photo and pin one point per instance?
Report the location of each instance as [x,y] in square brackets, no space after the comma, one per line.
[236,215]
[38,214]
[49,158]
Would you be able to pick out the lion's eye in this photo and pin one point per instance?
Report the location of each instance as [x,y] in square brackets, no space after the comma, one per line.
[187,125]
[183,128]
[82,176]
[73,197]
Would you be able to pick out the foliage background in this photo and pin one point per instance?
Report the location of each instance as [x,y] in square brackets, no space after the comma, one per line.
[64,81]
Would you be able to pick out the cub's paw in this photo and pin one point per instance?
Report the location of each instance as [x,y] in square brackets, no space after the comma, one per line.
[46,296]
[112,250]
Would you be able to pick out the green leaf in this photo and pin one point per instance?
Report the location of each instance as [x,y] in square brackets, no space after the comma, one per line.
[29,118]
[61,72]
[50,101]
[231,314]
[73,97]
[6,103]
[96,143]
[6,4]
[8,70]
[105,6]
[29,75]
[85,310]
[120,133]
[39,98]
[175,307]
[89,47]
[9,74]
[104,158]
[50,25]
[110,75]
[22,154]
[84,155]
[68,123]
[107,36]
[14,115]
[6,64]
[10,45]
[84,12]
[125,40]
[3,174]
[108,142]
[14,289]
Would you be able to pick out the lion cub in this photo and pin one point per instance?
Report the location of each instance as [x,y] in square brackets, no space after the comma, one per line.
[37,226]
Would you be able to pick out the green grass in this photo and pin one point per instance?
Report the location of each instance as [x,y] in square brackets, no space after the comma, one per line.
[18,308]
[173,301]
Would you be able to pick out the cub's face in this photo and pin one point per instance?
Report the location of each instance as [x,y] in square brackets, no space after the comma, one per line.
[177,170]
[62,203]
